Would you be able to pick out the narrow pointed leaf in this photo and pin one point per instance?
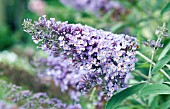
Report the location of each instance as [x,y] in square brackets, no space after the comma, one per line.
[165,51]
[161,63]
[166,8]
[121,96]
[118,26]
[165,105]
[169,28]
[168,66]
[167,83]
[142,65]
[155,103]
[155,89]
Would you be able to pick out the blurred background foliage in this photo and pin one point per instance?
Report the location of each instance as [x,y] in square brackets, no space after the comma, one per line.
[17,50]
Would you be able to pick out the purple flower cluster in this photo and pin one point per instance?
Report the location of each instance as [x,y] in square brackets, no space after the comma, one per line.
[41,100]
[105,57]
[63,74]
[161,32]
[27,100]
[96,6]
[152,43]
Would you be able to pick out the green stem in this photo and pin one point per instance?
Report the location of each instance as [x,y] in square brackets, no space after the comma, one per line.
[144,76]
[150,68]
[147,59]
[152,57]
[141,74]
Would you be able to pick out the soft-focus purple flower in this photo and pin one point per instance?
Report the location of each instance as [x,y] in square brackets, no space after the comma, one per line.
[97,7]
[74,106]
[152,43]
[62,74]
[17,96]
[162,31]
[25,99]
[39,95]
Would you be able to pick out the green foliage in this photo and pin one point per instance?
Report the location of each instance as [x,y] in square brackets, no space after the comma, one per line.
[13,60]
[169,28]
[164,51]
[166,8]
[154,89]
[121,96]
[161,63]
[165,105]
[6,39]
[142,65]
[154,103]
[143,90]
[118,26]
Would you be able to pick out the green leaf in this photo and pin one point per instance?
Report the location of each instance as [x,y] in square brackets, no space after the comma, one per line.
[161,63]
[93,95]
[117,26]
[130,107]
[169,28]
[155,103]
[121,96]
[165,50]
[107,16]
[142,65]
[168,66]
[165,105]
[168,83]
[154,89]
[166,8]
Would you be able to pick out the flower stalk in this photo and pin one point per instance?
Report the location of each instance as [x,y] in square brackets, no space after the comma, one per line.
[147,59]
[152,57]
